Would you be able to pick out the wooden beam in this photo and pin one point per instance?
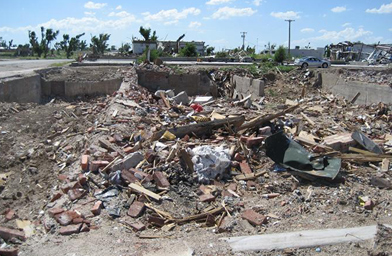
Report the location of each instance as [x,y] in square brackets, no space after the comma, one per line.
[301,239]
[142,190]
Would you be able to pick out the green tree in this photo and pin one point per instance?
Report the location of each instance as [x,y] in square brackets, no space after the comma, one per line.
[210,50]
[250,50]
[146,32]
[221,54]
[10,44]
[82,45]
[189,50]
[124,49]
[69,45]
[280,54]
[99,44]
[46,39]
[36,47]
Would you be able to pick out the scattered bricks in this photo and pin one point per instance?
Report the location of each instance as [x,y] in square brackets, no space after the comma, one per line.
[265,131]
[369,205]
[66,217]
[340,142]
[112,140]
[141,175]
[161,180]
[238,157]
[156,221]
[56,196]
[226,224]
[95,165]
[9,252]
[137,226]
[245,168]
[150,156]
[69,230]
[136,209]
[62,177]
[207,198]
[84,228]
[130,161]
[76,193]
[254,141]
[10,215]
[210,220]
[254,218]
[232,186]
[251,184]
[204,190]
[8,233]
[77,221]
[96,210]
[84,162]
[54,211]
[128,177]
[82,179]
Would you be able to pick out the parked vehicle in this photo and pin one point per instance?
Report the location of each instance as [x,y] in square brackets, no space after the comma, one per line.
[311,61]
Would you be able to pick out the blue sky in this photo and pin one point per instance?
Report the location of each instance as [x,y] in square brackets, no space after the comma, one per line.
[217,22]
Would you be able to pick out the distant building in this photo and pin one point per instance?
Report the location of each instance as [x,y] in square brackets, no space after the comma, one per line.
[170,47]
[299,53]
[138,46]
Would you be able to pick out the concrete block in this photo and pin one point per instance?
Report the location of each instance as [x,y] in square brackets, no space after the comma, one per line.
[130,161]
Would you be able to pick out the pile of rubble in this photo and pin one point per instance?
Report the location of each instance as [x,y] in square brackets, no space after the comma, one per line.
[155,161]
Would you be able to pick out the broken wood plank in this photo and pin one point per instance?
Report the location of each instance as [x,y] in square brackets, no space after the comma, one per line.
[147,192]
[360,151]
[200,215]
[310,121]
[250,176]
[163,97]
[364,158]
[106,144]
[353,100]
[301,239]
[265,118]
[385,165]
[184,155]
[307,142]
[200,128]
[160,212]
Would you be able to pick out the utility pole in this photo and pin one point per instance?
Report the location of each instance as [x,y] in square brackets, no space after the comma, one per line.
[289,21]
[243,39]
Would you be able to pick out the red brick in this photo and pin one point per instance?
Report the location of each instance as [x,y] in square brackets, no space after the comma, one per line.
[157,221]
[54,211]
[96,210]
[369,205]
[140,175]
[9,252]
[76,193]
[136,209]
[254,218]
[128,177]
[161,180]
[245,168]
[77,221]
[250,184]
[8,233]
[66,217]
[150,155]
[254,141]
[137,226]
[226,224]
[207,198]
[232,186]
[10,215]
[56,196]
[69,230]
[112,140]
[82,179]
[84,228]
[84,162]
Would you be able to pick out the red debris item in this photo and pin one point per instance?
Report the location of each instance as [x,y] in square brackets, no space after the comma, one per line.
[197,107]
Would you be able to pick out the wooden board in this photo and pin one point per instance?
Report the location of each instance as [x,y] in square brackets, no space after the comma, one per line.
[301,239]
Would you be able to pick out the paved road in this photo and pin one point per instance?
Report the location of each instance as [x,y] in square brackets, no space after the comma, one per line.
[21,67]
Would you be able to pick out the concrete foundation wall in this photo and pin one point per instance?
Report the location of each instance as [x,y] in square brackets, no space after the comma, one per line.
[22,90]
[370,93]
[248,86]
[73,89]
[192,84]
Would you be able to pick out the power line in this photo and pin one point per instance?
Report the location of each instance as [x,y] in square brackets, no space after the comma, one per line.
[243,39]
[289,21]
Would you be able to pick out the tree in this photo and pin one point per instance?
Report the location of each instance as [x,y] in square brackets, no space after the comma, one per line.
[250,50]
[189,50]
[210,50]
[10,44]
[99,44]
[113,48]
[33,39]
[69,45]
[221,54]
[124,49]
[145,32]
[280,54]
[46,38]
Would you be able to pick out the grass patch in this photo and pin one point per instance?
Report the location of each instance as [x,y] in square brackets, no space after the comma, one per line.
[286,69]
[60,64]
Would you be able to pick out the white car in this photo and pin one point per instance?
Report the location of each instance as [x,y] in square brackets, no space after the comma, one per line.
[312,62]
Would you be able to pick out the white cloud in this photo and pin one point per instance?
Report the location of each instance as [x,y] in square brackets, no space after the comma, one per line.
[385,8]
[216,2]
[169,15]
[257,2]
[347,34]
[346,24]
[286,15]
[339,9]
[227,12]
[390,29]
[307,30]
[89,13]
[92,5]
[194,24]
[171,22]
[121,14]
[119,7]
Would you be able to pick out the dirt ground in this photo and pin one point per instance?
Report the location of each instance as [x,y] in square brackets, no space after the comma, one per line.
[41,147]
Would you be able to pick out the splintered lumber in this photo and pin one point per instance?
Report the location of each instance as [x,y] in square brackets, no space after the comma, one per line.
[200,128]
[250,176]
[305,141]
[310,121]
[160,212]
[142,190]
[301,239]
[200,215]
[364,158]
[385,165]
[353,100]
[360,151]
[265,118]
[163,97]
[106,144]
